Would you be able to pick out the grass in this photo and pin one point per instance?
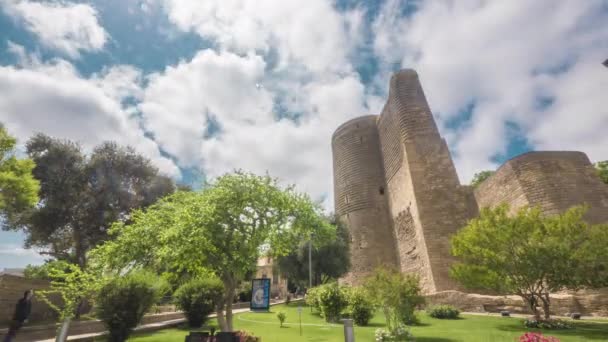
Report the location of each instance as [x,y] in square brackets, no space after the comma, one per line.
[469,328]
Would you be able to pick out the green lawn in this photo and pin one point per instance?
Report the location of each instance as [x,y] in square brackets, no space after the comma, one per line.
[470,328]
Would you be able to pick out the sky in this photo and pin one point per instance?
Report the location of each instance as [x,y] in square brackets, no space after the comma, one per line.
[206,87]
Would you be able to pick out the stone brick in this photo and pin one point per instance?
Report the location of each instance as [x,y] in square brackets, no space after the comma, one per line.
[397,189]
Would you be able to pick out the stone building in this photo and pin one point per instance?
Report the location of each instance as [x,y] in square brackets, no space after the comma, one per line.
[278,283]
[397,190]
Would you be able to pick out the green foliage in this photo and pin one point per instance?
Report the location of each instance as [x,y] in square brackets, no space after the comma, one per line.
[530,254]
[399,334]
[330,258]
[18,187]
[81,196]
[43,271]
[122,302]
[71,283]
[219,230]
[479,177]
[312,298]
[244,292]
[332,301]
[281,317]
[602,170]
[443,312]
[198,298]
[396,294]
[360,307]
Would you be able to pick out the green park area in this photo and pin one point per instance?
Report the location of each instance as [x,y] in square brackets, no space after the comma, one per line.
[469,328]
[198,250]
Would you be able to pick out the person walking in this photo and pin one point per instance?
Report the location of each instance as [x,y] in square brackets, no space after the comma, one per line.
[22,313]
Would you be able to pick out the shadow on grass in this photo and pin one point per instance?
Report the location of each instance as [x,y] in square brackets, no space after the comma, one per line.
[434,339]
[587,330]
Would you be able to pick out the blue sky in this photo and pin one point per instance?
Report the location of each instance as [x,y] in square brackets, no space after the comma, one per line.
[204,87]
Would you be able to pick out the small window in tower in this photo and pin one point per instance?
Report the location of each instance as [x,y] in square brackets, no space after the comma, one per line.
[381,190]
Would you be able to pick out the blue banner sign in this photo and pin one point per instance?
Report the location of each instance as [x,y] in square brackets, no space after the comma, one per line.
[260,294]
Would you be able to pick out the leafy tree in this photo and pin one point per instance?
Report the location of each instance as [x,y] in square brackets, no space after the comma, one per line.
[44,271]
[220,229]
[18,187]
[602,170]
[72,284]
[396,294]
[330,259]
[531,255]
[82,195]
[479,177]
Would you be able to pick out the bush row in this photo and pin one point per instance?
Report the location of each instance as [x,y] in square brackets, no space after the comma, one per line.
[333,302]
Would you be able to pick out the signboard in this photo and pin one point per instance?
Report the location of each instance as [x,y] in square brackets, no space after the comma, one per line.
[260,294]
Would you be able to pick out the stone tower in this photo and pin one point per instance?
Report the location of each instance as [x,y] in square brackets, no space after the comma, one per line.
[397,190]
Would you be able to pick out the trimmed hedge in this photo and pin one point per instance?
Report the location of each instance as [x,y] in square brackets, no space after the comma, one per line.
[443,312]
[197,299]
[122,302]
[360,308]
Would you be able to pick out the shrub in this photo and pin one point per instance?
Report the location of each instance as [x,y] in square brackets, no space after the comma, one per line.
[536,337]
[282,317]
[312,298]
[197,299]
[546,324]
[332,301]
[360,308]
[443,312]
[122,302]
[400,333]
[396,294]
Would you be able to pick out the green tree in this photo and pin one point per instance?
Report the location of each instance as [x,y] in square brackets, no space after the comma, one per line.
[81,196]
[479,177]
[18,187]
[531,255]
[330,259]
[220,229]
[602,170]
[72,284]
[396,294]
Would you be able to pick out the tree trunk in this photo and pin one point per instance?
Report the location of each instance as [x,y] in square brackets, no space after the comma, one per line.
[221,319]
[546,305]
[224,312]
[531,301]
[62,335]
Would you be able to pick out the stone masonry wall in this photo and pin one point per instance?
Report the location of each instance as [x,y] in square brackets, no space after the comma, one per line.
[12,289]
[425,186]
[554,181]
[359,196]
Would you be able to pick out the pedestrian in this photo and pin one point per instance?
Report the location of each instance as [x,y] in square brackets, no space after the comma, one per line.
[22,313]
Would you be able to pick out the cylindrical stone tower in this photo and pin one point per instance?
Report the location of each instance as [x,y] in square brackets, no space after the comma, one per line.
[360,196]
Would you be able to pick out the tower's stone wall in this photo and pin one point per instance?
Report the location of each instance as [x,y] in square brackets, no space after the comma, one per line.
[360,202]
[397,189]
[553,181]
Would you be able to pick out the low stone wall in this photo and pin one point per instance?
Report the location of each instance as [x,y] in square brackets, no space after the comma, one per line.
[587,302]
[42,332]
[12,289]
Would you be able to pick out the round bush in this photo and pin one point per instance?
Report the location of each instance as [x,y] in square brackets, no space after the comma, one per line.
[332,301]
[360,308]
[197,299]
[312,298]
[443,312]
[122,302]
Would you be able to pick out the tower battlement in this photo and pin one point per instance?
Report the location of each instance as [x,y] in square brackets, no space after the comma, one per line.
[397,190]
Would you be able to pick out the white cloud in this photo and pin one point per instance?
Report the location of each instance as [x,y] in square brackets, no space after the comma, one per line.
[66,27]
[500,55]
[313,35]
[54,99]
